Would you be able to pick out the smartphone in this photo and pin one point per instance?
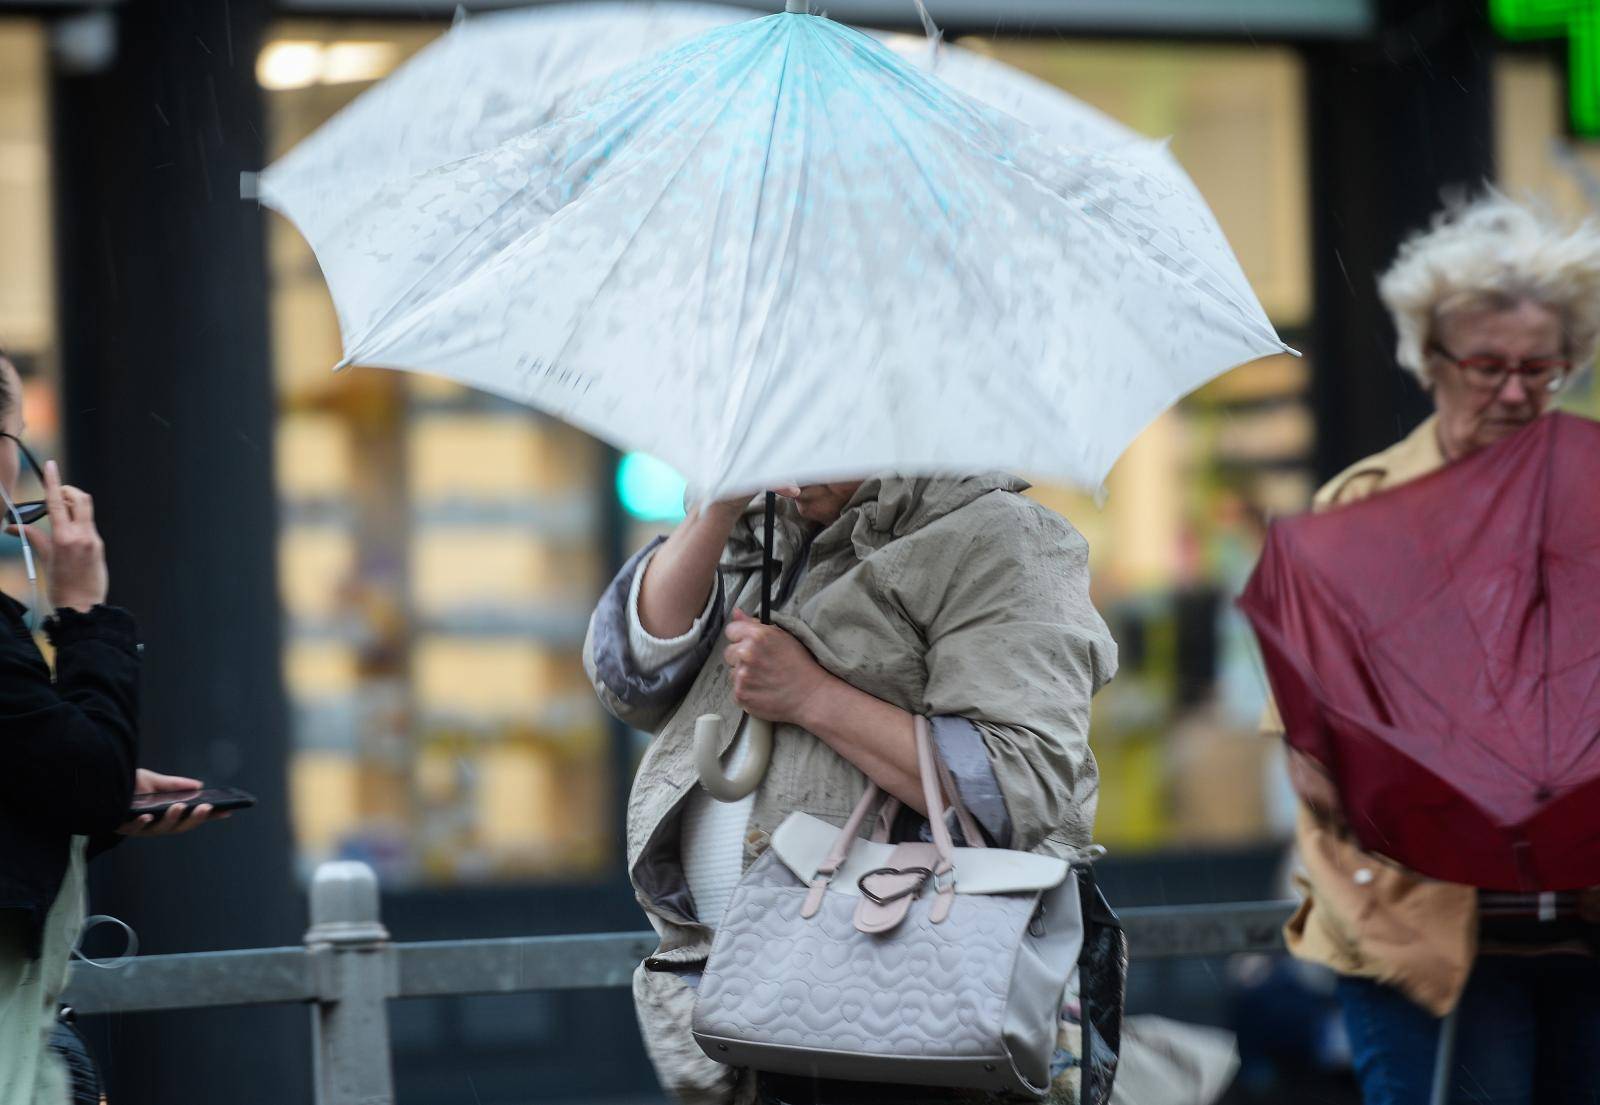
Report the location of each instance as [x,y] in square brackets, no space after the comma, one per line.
[28,513]
[220,799]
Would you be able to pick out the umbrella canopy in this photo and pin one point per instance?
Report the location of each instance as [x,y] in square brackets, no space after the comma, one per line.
[1434,648]
[488,79]
[495,76]
[781,253]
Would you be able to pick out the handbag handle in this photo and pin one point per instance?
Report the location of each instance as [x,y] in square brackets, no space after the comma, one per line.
[970,831]
[935,778]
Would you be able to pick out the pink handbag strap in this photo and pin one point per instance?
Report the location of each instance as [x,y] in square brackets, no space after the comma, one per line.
[937,785]
[969,826]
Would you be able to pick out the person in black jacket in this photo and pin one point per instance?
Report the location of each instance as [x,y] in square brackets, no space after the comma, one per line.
[68,748]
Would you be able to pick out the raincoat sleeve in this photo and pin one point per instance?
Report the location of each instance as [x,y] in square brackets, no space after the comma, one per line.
[641,679]
[1017,650]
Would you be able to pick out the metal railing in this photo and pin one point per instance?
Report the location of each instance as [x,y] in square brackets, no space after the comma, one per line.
[347,970]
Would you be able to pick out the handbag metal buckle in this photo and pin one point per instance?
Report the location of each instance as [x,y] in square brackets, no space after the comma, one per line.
[925,872]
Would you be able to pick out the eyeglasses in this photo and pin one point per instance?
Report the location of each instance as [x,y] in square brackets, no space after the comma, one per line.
[31,511]
[1491,373]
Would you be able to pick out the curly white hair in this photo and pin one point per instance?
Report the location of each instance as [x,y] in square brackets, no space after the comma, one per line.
[1494,252]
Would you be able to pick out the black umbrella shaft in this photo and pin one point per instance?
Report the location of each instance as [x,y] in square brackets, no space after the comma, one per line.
[766,558]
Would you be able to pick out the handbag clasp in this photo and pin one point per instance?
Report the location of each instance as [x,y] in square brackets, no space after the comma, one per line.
[923,873]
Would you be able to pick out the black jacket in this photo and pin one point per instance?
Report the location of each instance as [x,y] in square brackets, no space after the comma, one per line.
[68,748]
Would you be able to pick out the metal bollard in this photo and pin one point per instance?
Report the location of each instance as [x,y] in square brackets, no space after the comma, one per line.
[353,967]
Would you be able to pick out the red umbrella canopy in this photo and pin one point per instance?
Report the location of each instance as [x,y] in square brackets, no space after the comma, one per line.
[1437,649]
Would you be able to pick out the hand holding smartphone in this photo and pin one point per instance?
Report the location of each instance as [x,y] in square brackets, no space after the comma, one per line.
[220,799]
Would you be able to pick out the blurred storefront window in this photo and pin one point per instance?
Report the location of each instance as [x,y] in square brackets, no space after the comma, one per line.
[439,553]
[27,318]
[1536,157]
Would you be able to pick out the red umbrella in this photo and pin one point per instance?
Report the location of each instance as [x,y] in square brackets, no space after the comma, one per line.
[1437,649]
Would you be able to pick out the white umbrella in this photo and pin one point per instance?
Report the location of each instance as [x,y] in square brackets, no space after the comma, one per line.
[492,77]
[779,253]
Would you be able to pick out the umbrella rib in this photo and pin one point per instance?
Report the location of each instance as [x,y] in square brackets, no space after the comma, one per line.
[1453,578]
[953,253]
[399,310]
[395,316]
[1315,574]
[952,250]
[666,185]
[1215,285]
[739,387]
[1040,401]
[1488,749]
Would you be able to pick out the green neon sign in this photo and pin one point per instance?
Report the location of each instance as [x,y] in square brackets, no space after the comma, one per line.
[1578,21]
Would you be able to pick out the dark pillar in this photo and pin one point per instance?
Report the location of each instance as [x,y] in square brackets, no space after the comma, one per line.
[1393,122]
[168,409]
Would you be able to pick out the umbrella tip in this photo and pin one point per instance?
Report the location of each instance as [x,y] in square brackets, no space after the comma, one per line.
[1292,351]
[249,186]
[798,7]
[460,16]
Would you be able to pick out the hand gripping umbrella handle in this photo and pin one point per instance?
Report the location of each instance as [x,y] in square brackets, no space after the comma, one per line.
[708,757]
[758,733]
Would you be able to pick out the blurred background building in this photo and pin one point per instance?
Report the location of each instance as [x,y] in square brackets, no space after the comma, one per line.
[365,593]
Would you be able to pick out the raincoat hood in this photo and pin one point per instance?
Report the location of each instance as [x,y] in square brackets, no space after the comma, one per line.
[883,509]
[896,506]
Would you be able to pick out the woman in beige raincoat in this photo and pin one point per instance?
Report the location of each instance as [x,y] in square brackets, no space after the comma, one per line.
[958,599]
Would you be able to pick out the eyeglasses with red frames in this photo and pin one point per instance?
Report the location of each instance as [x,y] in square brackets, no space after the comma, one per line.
[1490,374]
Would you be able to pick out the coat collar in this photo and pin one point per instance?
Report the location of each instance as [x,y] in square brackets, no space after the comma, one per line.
[890,507]
[1418,454]
[882,509]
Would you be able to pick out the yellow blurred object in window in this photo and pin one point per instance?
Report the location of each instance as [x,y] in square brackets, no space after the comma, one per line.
[477,567]
[484,679]
[320,670]
[519,800]
[325,788]
[315,564]
[314,457]
[455,457]
[473,567]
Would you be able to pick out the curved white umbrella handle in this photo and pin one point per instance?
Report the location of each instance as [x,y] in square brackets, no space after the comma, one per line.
[708,757]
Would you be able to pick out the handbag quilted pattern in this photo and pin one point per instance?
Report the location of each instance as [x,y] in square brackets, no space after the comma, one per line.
[801,982]
[932,990]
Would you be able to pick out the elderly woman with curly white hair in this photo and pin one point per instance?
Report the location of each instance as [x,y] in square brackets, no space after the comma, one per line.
[1497,306]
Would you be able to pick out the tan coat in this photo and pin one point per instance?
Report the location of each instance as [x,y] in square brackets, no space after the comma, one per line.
[954,598]
[1364,915]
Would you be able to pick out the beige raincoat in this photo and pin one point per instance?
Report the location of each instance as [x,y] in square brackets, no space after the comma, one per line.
[957,599]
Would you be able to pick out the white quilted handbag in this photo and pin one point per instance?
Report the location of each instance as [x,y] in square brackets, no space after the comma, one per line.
[908,964]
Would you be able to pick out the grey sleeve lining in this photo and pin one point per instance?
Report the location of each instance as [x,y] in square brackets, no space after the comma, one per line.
[960,744]
[613,659]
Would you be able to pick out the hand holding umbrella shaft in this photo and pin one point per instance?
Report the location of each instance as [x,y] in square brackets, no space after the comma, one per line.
[776,679]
